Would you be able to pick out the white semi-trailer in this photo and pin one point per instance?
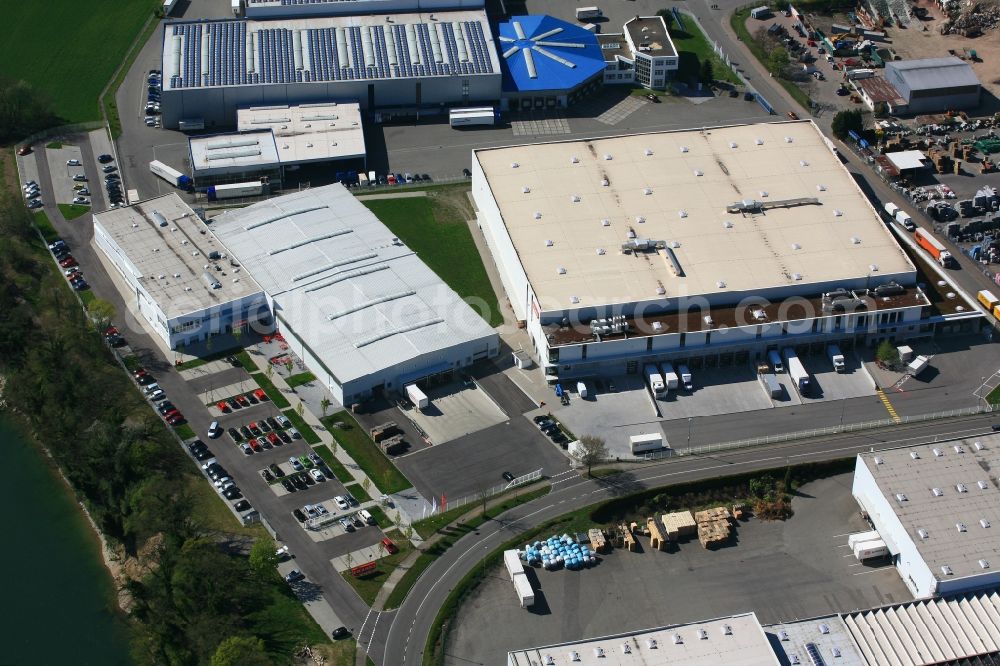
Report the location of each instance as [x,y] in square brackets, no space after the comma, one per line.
[645,443]
[654,379]
[796,370]
[670,380]
[171,175]
[836,358]
[685,374]
[235,190]
[417,397]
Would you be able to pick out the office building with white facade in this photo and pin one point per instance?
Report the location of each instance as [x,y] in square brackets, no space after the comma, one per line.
[709,247]
[175,273]
[642,53]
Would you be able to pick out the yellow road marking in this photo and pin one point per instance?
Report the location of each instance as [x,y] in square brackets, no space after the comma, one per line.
[888,406]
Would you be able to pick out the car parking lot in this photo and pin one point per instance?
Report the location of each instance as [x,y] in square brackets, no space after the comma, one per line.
[626,591]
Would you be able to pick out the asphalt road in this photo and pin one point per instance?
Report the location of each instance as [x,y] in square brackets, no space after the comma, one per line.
[406,634]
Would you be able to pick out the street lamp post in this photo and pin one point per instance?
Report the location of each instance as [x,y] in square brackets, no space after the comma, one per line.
[689,433]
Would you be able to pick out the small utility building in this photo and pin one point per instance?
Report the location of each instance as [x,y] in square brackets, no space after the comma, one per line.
[937,507]
[930,85]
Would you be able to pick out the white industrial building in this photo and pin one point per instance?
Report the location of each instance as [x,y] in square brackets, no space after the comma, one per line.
[269,9]
[642,53]
[396,61]
[929,85]
[355,303]
[702,246]
[737,640]
[176,274]
[271,139]
[937,508]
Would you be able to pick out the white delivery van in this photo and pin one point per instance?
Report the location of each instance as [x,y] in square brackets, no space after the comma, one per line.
[775,358]
[581,388]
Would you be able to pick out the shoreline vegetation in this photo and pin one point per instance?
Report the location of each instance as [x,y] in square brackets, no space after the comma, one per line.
[187,577]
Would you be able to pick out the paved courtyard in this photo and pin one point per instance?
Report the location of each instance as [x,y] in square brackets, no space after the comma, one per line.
[782,570]
[455,411]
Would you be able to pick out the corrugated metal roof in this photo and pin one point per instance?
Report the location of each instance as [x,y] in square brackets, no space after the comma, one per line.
[356,295]
[928,632]
[932,73]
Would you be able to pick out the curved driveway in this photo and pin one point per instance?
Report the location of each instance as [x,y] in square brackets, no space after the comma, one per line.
[411,624]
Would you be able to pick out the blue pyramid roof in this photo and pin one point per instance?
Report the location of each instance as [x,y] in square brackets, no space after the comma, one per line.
[546,53]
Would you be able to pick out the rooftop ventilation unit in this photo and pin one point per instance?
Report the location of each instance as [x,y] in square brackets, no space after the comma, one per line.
[575,198]
[760,142]
[727,224]
[984,523]
[960,527]
[526,190]
[605,222]
[648,152]
[837,212]
[647,190]
[548,243]
[699,172]
[922,533]
[901,497]
[657,326]
[824,628]
[732,144]
[651,643]
[794,659]
[574,655]
[727,630]
[159,218]
[211,281]
[788,139]
[605,182]
[803,163]
[796,246]
[821,188]
[682,214]
[879,460]
[720,284]
[937,452]
[796,276]
[626,648]
[783,635]
[678,639]
[561,271]
[702,634]
[538,215]
[599,652]
[984,564]
[855,240]
[937,492]
[983,485]
[607,157]
[684,149]
[708,321]
[642,244]
[600,252]
[946,570]
[979,446]
[574,160]
[958,448]
[549,660]
[574,299]
[961,487]
[914,455]
[763,194]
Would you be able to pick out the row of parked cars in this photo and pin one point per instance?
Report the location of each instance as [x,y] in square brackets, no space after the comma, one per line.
[307,470]
[551,430]
[158,397]
[32,194]
[154,83]
[256,436]
[240,401]
[71,269]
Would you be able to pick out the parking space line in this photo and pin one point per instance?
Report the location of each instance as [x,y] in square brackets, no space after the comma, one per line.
[865,573]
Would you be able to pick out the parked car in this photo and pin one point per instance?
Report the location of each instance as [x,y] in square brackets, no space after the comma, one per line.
[288,485]
[245,448]
[315,458]
[276,470]
[653,98]
[255,445]
[273,439]
[282,421]
[317,475]
[260,395]
[306,463]
[73,162]
[243,401]
[298,482]
[243,505]
[342,503]
[390,547]
[104,159]
[285,437]
[254,428]
[214,430]
[266,475]
[273,423]
[340,633]
[299,516]
[347,525]
[235,434]
[294,433]
[263,426]
[508,477]
[83,201]
[232,493]
[67,262]
[793,115]
[24,150]
[232,403]
[80,178]
[294,462]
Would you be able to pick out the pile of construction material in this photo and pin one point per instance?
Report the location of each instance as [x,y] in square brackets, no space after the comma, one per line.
[624,538]
[679,524]
[657,535]
[973,21]
[597,541]
[559,551]
[714,526]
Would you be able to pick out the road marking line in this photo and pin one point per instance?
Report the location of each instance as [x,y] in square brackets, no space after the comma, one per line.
[888,406]
[865,573]
[371,639]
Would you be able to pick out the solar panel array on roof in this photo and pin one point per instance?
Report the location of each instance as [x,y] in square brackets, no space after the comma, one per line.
[295,2]
[227,53]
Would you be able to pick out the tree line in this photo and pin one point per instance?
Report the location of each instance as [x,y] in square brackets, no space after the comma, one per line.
[202,598]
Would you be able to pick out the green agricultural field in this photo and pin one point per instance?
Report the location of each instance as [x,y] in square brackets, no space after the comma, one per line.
[435,228]
[69,49]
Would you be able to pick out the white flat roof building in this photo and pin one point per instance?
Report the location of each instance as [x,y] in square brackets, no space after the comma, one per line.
[356,304]
[285,8]
[309,132]
[937,507]
[178,273]
[828,637]
[737,640]
[567,202]
[246,152]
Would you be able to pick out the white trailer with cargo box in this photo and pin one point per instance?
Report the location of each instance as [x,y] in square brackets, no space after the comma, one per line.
[861,537]
[416,396]
[867,550]
[522,587]
[917,365]
[513,563]
[654,379]
[770,384]
[670,379]
[796,370]
[581,389]
[836,358]
[645,443]
[686,380]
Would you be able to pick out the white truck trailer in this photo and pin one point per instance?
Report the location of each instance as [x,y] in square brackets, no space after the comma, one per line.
[522,587]
[646,443]
[796,370]
[867,550]
[171,175]
[253,188]
[654,379]
[417,397]
[836,358]
[685,374]
[917,365]
[670,379]
[861,537]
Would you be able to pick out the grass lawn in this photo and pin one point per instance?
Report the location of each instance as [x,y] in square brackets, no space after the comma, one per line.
[428,526]
[692,48]
[359,493]
[211,511]
[368,586]
[363,450]
[131,362]
[335,465]
[83,45]
[246,361]
[381,519]
[184,431]
[435,228]
[300,379]
[993,397]
[54,145]
[308,433]
[202,360]
[285,625]
[73,211]
[738,21]
[45,226]
[276,396]
[87,296]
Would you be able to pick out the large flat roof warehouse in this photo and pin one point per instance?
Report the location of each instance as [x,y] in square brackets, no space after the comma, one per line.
[934,73]
[309,132]
[212,54]
[233,152]
[170,250]
[353,293]
[735,641]
[575,211]
[946,498]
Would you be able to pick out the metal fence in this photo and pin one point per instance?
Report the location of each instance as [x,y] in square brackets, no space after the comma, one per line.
[499,489]
[818,432]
